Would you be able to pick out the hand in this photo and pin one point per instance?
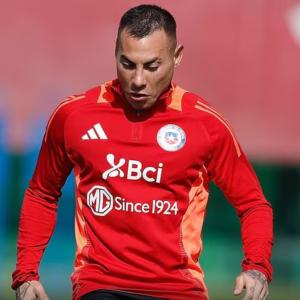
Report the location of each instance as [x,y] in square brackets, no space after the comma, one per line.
[31,290]
[254,282]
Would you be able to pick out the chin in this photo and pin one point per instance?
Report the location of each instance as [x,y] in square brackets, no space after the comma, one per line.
[139,106]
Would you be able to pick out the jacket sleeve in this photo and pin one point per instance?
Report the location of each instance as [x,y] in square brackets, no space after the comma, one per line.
[229,168]
[38,213]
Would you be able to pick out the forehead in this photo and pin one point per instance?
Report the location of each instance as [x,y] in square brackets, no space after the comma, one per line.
[157,44]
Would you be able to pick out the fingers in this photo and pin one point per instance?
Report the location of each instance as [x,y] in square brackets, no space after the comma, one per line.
[260,291]
[264,293]
[255,284]
[253,290]
[260,283]
[239,285]
[250,290]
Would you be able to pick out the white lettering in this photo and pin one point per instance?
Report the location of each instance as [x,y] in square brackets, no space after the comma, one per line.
[147,170]
[136,207]
[134,170]
[159,172]
[101,202]
[145,208]
[118,203]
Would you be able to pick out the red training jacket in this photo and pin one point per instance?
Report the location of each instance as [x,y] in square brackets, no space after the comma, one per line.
[142,182]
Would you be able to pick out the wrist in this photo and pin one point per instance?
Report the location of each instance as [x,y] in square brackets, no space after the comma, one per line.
[257,275]
[22,290]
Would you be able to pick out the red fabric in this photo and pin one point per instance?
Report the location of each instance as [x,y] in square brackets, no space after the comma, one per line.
[141,250]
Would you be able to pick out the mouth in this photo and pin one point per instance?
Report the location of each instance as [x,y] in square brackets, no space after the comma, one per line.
[138,97]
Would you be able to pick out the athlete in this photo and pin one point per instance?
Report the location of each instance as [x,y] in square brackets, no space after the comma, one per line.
[143,151]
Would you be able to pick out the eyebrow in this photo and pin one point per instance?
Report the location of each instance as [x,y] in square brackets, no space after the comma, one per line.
[155,59]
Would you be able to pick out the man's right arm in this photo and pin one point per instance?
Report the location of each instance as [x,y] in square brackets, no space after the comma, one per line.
[38,214]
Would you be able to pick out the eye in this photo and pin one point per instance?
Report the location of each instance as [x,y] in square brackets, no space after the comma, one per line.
[127,65]
[151,68]
[152,65]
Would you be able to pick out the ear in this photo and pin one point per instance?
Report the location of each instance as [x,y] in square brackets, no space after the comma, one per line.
[178,54]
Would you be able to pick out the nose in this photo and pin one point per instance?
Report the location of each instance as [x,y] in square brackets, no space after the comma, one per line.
[138,80]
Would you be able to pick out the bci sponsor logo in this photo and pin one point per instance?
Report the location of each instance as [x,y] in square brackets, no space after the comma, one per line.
[135,170]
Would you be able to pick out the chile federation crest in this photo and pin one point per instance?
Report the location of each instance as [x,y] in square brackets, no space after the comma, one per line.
[171,137]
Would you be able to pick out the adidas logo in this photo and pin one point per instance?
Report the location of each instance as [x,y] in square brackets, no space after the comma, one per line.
[95,133]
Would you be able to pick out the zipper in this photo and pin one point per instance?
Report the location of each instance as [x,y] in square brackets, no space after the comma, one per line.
[137,127]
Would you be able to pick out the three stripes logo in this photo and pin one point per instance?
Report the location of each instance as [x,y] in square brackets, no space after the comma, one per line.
[95,133]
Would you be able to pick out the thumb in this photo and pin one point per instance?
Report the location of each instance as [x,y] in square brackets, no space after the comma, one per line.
[239,285]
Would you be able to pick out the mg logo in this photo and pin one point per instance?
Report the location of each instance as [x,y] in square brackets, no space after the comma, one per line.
[100,200]
[135,170]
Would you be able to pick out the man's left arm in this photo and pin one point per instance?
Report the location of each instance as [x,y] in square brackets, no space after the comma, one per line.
[231,171]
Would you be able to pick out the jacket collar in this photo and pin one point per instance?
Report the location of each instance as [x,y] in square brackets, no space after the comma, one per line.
[112,92]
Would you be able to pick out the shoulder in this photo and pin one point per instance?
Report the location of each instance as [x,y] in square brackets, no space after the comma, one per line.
[213,122]
[67,106]
[199,108]
[74,103]
[77,101]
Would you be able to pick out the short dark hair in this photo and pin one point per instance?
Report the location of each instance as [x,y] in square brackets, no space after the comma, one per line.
[142,20]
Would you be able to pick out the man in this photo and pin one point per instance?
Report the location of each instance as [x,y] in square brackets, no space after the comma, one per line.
[143,151]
